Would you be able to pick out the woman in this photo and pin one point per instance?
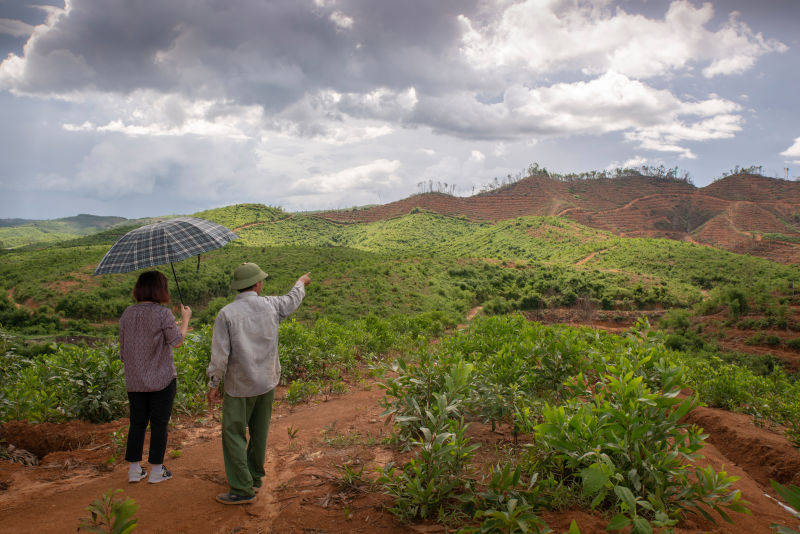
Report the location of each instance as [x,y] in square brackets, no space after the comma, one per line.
[147,333]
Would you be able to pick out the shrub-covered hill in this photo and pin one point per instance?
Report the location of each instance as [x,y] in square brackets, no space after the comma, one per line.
[240,215]
[20,232]
[536,241]
[416,263]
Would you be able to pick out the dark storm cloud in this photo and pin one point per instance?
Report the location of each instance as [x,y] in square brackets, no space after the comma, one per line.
[269,53]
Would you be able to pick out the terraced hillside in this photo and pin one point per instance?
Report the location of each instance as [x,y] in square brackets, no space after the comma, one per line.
[747,214]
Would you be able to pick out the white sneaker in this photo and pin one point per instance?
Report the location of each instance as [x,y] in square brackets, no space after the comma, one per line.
[136,476]
[155,477]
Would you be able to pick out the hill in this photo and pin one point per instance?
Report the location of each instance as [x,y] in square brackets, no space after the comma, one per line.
[743,213]
[16,233]
[419,262]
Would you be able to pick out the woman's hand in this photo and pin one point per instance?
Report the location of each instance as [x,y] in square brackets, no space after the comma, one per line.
[186,314]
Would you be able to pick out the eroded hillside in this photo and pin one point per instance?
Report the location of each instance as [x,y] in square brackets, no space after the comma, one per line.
[743,213]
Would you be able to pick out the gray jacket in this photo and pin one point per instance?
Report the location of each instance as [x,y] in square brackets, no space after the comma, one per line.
[244,346]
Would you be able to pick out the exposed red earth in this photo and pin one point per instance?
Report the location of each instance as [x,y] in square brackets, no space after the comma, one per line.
[732,213]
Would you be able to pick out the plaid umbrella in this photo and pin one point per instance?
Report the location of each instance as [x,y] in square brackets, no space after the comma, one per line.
[164,242]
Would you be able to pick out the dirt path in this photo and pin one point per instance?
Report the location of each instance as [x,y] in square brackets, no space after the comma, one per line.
[590,256]
[308,445]
[261,223]
[52,497]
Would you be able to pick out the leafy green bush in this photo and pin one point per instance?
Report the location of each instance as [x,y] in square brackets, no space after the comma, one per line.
[427,485]
[504,504]
[300,391]
[72,383]
[626,445]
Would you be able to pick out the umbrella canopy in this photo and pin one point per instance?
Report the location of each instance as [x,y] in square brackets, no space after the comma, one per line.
[163,242]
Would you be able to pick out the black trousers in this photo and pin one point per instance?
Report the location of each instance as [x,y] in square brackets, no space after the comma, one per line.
[154,407]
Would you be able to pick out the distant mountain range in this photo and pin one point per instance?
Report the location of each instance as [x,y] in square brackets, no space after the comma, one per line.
[15,233]
[82,221]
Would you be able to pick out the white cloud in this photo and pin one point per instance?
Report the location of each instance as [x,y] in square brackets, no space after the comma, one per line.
[793,151]
[147,113]
[655,118]
[548,36]
[341,20]
[477,155]
[630,163]
[15,28]
[382,103]
[736,48]
[369,175]
[500,150]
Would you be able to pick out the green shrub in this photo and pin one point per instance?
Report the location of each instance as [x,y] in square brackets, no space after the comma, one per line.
[301,391]
[626,445]
[677,320]
[427,485]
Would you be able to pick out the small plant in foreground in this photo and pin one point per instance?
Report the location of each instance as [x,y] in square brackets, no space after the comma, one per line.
[110,515]
[505,505]
[119,439]
[350,478]
[428,484]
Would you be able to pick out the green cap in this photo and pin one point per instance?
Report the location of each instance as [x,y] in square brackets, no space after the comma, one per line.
[246,275]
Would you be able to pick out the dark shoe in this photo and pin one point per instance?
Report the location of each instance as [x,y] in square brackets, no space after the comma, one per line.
[232,498]
[133,476]
[155,478]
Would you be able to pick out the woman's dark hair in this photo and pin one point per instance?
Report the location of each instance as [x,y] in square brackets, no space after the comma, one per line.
[151,286]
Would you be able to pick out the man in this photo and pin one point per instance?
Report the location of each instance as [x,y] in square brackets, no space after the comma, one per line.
[244,351]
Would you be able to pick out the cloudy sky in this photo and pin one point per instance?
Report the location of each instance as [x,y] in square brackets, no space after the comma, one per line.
[153,107]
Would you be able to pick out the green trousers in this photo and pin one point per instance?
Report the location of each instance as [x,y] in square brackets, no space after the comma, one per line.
[244,460]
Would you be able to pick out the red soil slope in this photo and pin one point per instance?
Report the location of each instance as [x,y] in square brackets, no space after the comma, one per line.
[732,213]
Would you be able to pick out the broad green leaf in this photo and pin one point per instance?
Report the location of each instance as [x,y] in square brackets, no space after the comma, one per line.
[594,478]
[618,522]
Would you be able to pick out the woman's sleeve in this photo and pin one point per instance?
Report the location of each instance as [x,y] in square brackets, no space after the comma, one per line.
[121,338]
[172,333]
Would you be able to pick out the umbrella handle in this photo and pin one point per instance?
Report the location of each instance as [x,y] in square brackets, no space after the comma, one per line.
[180,295]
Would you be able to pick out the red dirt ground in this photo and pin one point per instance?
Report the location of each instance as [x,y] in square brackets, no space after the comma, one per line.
[307,443]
